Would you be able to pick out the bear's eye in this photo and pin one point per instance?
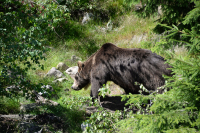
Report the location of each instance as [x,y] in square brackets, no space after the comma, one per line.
[76,77]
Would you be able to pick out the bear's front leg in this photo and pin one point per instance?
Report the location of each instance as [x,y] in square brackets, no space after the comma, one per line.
[96,84]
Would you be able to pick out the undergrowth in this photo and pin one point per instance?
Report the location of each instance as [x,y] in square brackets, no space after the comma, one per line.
[9,105]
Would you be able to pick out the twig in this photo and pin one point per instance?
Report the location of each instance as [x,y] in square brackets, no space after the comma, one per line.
[56,32]
[56,1]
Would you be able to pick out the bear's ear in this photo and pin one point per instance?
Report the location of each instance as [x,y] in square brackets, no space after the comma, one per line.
[80,65]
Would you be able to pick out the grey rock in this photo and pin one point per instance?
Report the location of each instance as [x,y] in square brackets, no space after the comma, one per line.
[62,66]
[46,88]
[14,74]
[14,88]
[72,71]
[28,107]
[60,80]
[75,58]
[28,127]
[55,73]
[18,116]
[11,88]
[87,17]
[42,100]
[115,89]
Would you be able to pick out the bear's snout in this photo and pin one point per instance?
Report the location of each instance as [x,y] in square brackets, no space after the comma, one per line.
[75,87]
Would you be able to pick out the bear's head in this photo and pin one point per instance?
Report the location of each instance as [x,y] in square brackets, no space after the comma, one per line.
[80,79]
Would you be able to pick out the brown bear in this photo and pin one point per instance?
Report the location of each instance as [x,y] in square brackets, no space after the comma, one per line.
[122,66]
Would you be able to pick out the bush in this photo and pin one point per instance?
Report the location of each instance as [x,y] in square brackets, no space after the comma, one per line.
[24,27]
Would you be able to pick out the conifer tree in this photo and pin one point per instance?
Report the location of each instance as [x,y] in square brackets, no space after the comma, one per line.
[178,109]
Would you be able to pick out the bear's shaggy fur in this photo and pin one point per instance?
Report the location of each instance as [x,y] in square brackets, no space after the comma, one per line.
[122,66]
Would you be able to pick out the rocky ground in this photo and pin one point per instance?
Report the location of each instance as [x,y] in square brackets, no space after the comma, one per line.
[37,123]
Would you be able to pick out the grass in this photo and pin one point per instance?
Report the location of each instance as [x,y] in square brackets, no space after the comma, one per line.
[9,105]
[130,25]
[180,51]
